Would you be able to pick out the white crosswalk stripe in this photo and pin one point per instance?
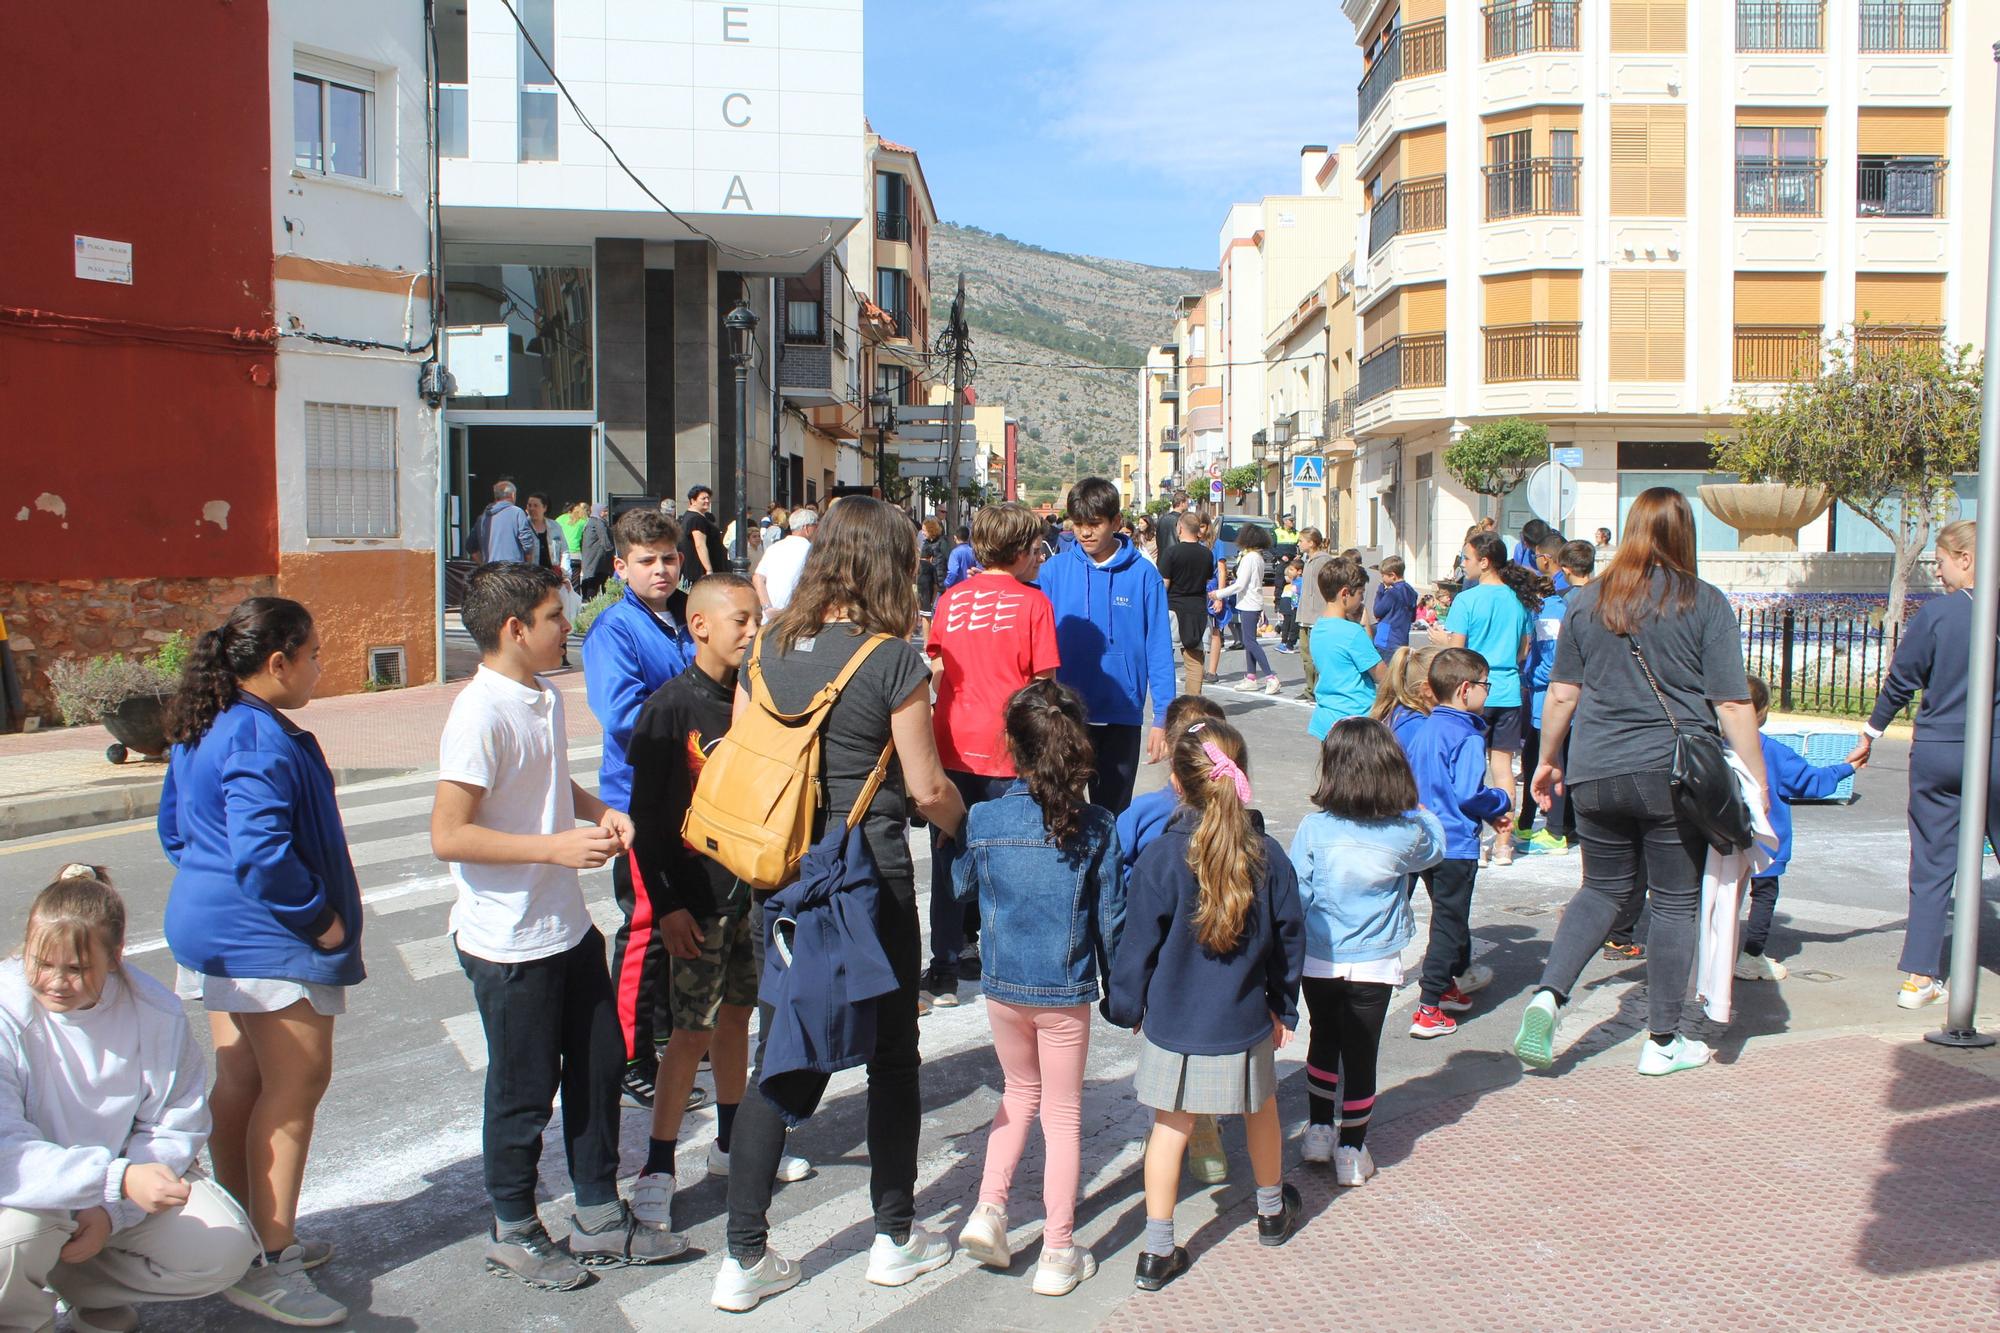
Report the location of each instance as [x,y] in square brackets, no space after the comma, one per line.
[432,956]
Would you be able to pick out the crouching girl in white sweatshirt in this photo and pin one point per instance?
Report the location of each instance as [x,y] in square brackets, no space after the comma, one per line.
[102,1113]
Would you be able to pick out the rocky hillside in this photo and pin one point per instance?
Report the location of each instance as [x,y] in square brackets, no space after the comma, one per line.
[1027,304]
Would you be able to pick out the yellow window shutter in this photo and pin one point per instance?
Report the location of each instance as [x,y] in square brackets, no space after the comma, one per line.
[1627,360]
[1666,324]
[1380,322]
[1666,161]
[1630,131]
[1423,308]
[1508,122]
[1649,25]
[1509,299]
[1899,298]
[1423,152]
[1561,299]
[1784,117]
[1902,131]
[1778,299]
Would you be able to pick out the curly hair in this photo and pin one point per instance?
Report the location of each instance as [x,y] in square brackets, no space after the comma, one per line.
[233,651]
[1052,753]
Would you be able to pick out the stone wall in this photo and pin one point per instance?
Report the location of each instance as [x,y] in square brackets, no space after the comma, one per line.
[81,618]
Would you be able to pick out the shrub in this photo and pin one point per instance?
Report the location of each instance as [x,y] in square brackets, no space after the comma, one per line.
[613,589]
[86,691]
[1492,457]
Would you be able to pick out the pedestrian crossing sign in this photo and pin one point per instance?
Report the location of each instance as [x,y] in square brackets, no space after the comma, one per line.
[1308,470]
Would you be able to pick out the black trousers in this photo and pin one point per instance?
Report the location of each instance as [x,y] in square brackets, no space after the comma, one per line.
[1449,884]
[1525,808]
[1763,904]
[1116,746]
[550,1031]
[895,1105]
[951,920]
[1347,1021]
[639,966]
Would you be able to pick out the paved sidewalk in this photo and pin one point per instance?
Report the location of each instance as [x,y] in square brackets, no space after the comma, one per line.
[1828,1182]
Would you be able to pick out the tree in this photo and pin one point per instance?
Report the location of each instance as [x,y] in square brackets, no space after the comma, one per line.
[1885,429]
[895,486]
[1242,480]
[1492,457]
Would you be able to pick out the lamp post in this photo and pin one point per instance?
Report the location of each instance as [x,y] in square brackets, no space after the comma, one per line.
[1281,439]
[880,409]
[741,323]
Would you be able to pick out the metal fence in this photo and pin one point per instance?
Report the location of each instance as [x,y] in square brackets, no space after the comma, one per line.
[1818,663]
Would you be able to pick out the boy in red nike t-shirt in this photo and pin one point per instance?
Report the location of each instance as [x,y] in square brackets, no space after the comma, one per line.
[990,635]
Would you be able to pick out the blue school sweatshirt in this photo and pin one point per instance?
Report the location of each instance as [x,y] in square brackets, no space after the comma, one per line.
[1448,756]
[1395,610]
[628,653]
[1542,652]
[1793,779]
[1144,820]
[1404,721]
[1113,633]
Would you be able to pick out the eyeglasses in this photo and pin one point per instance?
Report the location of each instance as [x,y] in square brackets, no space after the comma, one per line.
[1483,684]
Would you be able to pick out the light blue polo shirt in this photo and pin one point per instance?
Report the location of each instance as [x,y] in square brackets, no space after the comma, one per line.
[1493,622]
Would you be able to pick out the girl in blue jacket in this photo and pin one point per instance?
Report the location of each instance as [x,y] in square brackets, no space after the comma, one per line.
[1354,860]
[264,918]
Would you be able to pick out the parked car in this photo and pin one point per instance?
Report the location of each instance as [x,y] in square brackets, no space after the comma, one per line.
[1230,525]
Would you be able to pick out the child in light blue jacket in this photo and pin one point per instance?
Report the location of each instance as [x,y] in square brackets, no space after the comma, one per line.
[1354,860]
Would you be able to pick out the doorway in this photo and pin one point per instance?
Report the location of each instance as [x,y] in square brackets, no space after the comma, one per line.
[555,461]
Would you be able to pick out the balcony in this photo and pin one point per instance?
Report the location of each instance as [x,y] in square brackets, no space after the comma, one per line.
[1781,25]
[1534,188]
[1517,27]
[1903,25]
[1516,352]
[1410,54]
[1170,439]
[1778,189]
[1412,361]
[1306,426]
[900,323]
[1900,187]
[1776,353]
[1170,394]
[1413,205]
[1884,339]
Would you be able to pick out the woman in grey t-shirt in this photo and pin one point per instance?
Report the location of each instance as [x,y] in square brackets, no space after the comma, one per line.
[1621,751]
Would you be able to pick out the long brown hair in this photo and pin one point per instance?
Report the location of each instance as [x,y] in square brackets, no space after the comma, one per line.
[1659,534]
[1404,681]
[863,563]
[1051,749]
[1226,853]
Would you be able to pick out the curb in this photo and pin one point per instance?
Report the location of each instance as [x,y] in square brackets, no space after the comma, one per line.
[63,812]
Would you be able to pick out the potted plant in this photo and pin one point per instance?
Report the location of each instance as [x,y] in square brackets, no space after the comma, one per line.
[1239,481]
[127,695]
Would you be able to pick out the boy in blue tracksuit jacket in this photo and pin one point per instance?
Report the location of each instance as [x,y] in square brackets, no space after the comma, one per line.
[1115,637]
[636,644]
[1792,779]
[1146,818]
[1448,756]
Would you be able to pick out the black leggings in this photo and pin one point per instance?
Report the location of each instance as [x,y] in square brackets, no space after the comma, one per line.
[1347,1019]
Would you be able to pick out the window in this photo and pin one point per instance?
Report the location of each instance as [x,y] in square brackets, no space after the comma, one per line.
[350,471]
[1780,25]
[333,116]
[1649,161]
[892,206]
[542,293]
[453,129]
[1649,25]
[892,293]
[805,313]
[1899,163]
[1903,25]
[1648,325]
[895,382]
[1778,171]
[538,96]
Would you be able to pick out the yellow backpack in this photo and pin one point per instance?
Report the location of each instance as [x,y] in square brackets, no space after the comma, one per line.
[753,807]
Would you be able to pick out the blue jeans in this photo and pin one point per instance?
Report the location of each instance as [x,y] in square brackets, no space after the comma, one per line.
[1255,662]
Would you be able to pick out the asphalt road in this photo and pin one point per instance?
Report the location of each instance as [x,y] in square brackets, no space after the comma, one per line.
[395,1182]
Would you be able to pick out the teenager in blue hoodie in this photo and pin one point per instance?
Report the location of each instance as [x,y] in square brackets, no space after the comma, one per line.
[1448,756]
[1116,639]
[636,644]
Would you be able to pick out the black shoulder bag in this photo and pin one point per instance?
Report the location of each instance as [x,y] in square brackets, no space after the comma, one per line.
[1704,785]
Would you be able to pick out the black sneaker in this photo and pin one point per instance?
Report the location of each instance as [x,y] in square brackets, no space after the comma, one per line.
[1157,1270]
[533,1258]
[1279,1226]
[638,1085]
[940,987]
[968,962]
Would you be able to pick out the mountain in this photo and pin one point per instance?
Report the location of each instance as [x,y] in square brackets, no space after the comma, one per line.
[1027,304]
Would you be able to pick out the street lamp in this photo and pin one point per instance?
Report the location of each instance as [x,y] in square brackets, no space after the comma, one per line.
[1281,438]
[741,323]
[880,411]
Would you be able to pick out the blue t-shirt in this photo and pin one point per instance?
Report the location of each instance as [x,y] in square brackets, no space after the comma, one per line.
[1344,656]
[1493,622]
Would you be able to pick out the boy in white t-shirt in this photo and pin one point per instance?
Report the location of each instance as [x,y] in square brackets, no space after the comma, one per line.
[506,821]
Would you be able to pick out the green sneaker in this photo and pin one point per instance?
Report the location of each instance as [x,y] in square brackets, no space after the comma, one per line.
[1206,1160]
[1535,1042]
[1678,1054]
[1544,843]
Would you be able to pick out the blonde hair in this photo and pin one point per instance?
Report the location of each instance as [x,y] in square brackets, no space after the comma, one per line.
[1226,853]
[1404,681]
[1958,537]
[78,911]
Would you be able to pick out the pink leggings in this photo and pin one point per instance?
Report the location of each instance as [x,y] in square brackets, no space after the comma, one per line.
[1042,1053]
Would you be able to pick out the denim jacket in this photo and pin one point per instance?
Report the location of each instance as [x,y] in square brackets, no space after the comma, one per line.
[1049,918]
[1354,878]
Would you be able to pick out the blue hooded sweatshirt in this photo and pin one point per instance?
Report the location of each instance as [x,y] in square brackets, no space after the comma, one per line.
[1144,820]
[628,653]
[1404,721]
[1113,633]
[1793,779]
[1448,756]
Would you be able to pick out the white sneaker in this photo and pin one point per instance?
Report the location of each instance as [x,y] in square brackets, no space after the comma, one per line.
[1485,852]
[1249,684]
[1352,1166]
[1914,996]
[738,1289]
[1271,685]
[1058,1271]
[790,1168]
[652,1200]
[984,1236]
[893,1265]
[1318,1145]
[1760,967]
[1678,1054]
[1477,976]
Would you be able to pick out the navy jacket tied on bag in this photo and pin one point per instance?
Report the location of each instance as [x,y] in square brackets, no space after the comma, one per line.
[1048,938]
[824,970]
[261,867]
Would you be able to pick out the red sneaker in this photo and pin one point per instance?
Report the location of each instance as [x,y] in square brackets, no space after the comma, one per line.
[1454,1000]
[1430,1021]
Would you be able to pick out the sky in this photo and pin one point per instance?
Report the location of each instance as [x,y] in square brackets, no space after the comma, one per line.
[1120,128]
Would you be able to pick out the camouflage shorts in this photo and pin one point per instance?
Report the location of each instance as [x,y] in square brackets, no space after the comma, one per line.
[725,972]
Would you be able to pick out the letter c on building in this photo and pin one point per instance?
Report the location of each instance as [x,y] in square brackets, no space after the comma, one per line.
[728,119]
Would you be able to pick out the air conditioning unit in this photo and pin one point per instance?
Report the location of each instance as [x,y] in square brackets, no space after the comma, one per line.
[387,668]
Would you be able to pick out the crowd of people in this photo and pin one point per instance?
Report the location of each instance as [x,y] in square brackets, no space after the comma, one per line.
[1004,690]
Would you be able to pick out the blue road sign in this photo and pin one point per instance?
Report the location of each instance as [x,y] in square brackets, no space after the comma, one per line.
[1568,457]
[1308,470]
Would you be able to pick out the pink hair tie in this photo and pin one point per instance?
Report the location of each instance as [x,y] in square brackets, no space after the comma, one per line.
[1220,766]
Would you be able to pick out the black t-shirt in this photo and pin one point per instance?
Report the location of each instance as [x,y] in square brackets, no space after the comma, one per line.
[676,731]
[699,527]
[1188,567]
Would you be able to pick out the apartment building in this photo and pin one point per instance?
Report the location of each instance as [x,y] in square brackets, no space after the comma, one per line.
[1623,218]
[1159,423]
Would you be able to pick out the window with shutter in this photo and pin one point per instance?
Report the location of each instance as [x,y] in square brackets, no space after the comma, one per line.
[1510,299]
[1649,161]
[1902,131]
[350,471]
[1648,325]
[1423,308]
[1915,299]
[1649,25]
[1791,299]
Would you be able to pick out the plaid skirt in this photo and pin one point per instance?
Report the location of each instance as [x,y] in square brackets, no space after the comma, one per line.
[1205,1084]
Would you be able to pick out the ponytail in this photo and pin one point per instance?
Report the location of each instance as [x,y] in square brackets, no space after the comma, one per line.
[1051,749]
[1225,853]
[1403,683]
[233,651]
[1527,585]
